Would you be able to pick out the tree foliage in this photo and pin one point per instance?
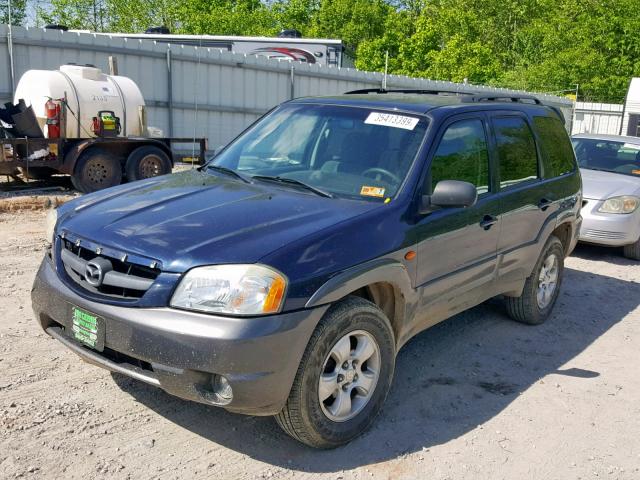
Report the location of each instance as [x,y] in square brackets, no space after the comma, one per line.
[18,11]
[542,45]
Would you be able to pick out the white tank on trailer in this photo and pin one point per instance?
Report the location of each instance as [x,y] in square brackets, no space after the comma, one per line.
[88,90]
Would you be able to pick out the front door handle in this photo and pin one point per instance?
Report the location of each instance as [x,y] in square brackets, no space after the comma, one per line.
[544,203]
[488,221]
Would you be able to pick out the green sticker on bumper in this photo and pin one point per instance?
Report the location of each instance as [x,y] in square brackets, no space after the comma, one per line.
[85,327]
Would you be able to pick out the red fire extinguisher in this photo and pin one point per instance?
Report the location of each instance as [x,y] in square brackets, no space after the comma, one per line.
[52,114]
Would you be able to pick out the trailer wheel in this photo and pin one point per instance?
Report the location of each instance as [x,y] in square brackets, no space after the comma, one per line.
[147,162]
[96,169]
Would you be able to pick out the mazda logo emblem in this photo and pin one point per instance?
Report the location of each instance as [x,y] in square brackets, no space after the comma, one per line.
[96,269]
[94,274]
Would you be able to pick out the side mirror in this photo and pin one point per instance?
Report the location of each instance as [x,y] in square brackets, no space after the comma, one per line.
[449,194]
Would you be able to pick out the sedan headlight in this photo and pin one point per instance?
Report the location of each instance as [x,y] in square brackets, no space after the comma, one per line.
[624,204]
[50,224]
[231,289]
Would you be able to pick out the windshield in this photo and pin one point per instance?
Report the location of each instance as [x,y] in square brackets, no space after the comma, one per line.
[608,155]
[341,151]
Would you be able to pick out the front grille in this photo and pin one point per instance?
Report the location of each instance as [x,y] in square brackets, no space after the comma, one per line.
[602,234]
[106,275]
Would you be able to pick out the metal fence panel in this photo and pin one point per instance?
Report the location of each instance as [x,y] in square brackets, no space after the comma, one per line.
[599,118]
[192,91]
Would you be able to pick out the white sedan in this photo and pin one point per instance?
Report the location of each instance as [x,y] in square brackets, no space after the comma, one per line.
[610,168]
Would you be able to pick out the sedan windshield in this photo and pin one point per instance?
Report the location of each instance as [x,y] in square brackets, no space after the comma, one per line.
[608,155]
[328,150]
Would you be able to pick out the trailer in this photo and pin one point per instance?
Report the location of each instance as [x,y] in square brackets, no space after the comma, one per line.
[93,163]
[80,121]
[320,51]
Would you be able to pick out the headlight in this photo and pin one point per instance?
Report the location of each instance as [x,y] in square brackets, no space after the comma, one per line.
[231,289]
[624,204]
[50,224]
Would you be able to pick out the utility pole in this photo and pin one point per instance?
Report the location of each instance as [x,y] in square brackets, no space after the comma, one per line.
[386,69]
[624,109]
[10,48]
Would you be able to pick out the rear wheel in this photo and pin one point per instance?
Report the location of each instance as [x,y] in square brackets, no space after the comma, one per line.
[343,378]
[96,169]
[146,162]
[632,251]
[541,288]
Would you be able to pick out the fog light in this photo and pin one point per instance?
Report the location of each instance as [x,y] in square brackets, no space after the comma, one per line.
[222,389]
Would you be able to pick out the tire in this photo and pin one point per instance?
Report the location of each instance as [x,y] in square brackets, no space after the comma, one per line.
[632,251]
[305,417]
[96,169]
[526,308]
[146,162]
[37,173]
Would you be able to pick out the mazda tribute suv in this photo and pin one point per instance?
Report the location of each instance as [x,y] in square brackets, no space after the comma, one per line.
[283,276]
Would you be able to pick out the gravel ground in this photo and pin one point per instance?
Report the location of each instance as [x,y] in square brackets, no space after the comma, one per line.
[476,397]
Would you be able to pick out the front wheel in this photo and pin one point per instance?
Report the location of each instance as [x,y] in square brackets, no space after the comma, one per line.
[343,378]
[541,288]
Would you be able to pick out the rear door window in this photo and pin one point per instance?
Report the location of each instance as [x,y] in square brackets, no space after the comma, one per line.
[462,155]
[555,145]
[517,156]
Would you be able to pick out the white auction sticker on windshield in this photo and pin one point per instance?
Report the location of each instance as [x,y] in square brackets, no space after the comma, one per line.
[392,120]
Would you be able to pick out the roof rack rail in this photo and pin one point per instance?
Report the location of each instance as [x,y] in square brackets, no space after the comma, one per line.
[467,96]
[496,97]
[403,90]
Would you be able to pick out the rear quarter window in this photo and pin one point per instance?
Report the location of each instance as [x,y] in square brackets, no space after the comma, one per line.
[557,151]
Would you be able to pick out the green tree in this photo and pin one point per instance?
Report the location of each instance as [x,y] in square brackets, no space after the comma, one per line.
[353,21]
[18,11]
[594,44]
[77,14]
[225,17]
[297,14]
[398,27]
[139,15]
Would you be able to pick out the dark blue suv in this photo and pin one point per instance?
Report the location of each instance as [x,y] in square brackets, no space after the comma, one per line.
[283,277]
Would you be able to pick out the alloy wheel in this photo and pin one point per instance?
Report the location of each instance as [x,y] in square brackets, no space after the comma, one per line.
[547,281]
[349,376]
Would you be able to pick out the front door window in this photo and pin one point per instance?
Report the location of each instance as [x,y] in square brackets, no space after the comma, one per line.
[462,155]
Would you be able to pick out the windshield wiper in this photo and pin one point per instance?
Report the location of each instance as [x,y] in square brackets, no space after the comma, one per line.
[228,171]
[293,182]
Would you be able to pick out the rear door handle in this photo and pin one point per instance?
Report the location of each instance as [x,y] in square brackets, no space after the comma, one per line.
[488,221]
[544,203]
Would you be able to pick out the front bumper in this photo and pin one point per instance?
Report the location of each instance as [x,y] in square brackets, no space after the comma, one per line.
[610,229]
[180,351]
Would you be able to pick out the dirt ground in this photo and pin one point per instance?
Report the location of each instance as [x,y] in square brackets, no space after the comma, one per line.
[476,397]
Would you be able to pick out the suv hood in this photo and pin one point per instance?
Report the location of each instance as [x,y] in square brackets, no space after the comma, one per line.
[193,218]
[597,185]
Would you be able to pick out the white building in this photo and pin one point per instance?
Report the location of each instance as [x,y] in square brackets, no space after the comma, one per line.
[631,115]
[608,118]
